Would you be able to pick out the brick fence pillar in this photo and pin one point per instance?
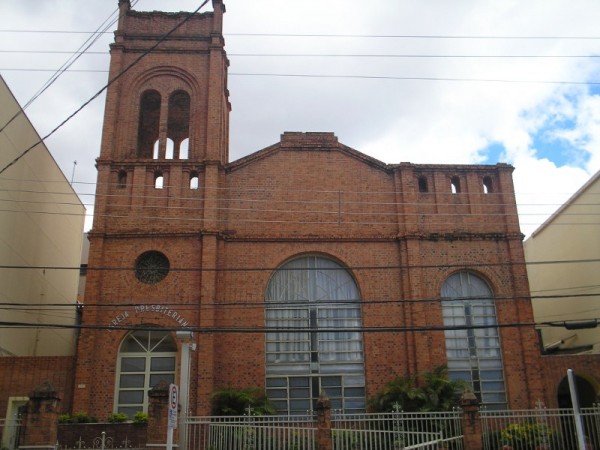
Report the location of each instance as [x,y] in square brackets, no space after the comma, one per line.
[158,410]
[324,439]
[41,419]
[471,422]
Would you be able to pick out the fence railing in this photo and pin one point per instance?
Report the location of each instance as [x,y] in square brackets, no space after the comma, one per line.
[9,433]
[394,431]
[539,429]
[250,433]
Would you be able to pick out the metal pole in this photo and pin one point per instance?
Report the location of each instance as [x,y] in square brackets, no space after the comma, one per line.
[187,346]
[576,412]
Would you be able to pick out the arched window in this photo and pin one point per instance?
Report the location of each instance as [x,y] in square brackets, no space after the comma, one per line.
[487,185]
[455,185]
[319,299]
[184,149]
[148,124]
[178,125]
[159,180]
[145,358]
[169,152]
[194,180]
[474,354]
[122,179]
[423,185]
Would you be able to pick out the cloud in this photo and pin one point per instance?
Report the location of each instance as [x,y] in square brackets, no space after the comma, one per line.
[549,131]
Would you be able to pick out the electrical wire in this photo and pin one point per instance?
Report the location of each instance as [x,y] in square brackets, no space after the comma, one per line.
[333,35]
[364,77]
[462,264]
[337,55]
[110,82]
[83,48]
[265,329]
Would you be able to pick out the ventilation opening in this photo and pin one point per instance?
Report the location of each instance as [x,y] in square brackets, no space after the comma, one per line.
[423,184]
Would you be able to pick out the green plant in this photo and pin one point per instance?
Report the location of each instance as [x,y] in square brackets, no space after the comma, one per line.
[228,401]
[79,417]
[64,418]
[140,417]
[117,418]
[526,436]
[428,391]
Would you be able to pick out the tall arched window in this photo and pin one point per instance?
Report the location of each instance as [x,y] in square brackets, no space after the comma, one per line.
[455,185]
[318,300]
[148,124]
[178,126]
[145,358]
[474,354]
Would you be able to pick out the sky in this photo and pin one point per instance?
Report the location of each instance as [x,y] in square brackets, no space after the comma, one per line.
[428,81]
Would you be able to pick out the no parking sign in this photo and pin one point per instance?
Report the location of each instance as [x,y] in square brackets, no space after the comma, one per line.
[173,403]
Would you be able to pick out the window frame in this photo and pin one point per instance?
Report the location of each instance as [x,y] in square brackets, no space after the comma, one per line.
[320,353]
[149,355]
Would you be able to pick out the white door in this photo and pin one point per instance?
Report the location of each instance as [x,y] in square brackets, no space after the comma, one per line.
[12,423]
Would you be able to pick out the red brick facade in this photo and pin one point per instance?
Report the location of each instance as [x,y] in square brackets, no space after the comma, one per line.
[398,229]
[19,376]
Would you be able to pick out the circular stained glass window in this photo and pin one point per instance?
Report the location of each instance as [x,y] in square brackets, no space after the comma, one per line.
[151,267]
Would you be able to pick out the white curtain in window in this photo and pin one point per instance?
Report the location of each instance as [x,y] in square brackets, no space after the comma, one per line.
[473,353]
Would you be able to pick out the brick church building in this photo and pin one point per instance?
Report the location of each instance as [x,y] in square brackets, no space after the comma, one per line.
[302,267]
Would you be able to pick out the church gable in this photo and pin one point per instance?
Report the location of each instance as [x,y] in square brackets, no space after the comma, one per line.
[308,142]
[309,183]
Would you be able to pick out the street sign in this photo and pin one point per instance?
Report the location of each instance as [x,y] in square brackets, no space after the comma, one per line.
[173,404]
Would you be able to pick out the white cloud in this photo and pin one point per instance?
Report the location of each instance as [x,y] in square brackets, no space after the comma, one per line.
[392,120]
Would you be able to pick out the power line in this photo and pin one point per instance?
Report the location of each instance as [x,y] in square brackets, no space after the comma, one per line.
[337,55]
[360,77]
[110,82]
[66,65]
[262,304]
[333,35]
[265,329]
[462,264]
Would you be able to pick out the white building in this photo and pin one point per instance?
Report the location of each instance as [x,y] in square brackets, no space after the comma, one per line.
[41,225]
[563,263]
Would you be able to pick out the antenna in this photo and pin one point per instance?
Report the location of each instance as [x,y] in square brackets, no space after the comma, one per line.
[73,174]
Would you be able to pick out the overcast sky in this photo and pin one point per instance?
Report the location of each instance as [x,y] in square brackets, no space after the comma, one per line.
[427,81]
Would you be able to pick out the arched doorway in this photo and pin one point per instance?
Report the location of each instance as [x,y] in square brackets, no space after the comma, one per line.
[586,393]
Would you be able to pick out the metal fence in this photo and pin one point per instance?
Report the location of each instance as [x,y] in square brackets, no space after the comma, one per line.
[539,429]
[394,431]
[10,431]
[250,433]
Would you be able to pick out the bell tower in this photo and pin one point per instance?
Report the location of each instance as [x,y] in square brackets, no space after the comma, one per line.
[163,154]
[167,113]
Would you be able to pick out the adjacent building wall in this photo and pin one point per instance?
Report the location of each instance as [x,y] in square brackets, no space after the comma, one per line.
[41,225]
[563,266]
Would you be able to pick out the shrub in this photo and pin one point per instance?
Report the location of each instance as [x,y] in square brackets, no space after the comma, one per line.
[526,436]
[427,392]
[117,418]
[79,417]
[140,417]
[234,402]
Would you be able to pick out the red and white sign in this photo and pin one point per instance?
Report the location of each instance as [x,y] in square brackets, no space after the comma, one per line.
[173,404]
